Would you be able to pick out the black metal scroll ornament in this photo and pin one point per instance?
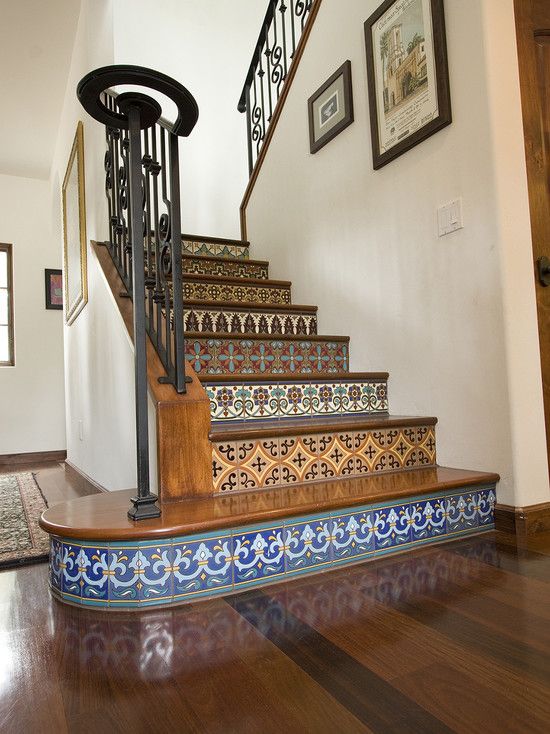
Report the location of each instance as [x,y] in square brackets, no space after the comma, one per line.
[136,112]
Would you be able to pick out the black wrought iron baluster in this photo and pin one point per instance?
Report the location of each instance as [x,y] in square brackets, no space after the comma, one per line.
[165,262]
[147,163]
[282,10]
[158,295]
[261,74]
[249,130]
[293,26]
[277,72]
[177,269]
[126,237]
[267,54]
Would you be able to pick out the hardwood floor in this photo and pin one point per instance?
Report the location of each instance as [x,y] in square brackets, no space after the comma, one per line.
[449,638]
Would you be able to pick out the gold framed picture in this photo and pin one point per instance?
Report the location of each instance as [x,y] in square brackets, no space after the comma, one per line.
[74,230]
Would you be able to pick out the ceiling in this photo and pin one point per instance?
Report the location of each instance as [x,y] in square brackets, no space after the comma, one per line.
[36,42]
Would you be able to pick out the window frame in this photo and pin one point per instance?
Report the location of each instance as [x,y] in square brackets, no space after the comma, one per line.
[8,248]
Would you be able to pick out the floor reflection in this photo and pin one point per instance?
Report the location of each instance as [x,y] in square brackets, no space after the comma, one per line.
[155,646]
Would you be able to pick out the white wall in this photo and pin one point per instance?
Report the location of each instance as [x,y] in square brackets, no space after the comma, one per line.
[32,406]
[98,352]
[452,319]
[207,46]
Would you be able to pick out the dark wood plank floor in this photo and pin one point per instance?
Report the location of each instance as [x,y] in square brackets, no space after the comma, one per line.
[448,638]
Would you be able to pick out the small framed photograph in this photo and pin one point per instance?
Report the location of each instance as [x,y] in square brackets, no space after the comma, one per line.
[407,76]
[54,289]
[330,108]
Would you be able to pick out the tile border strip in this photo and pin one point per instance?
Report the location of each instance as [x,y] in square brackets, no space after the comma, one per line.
[135,575]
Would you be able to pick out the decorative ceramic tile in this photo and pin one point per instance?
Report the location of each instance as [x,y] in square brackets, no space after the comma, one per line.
[204,319]
[156,581]
[245,356]
[307,544]
[125,567]
[235,251]
[461,512]
[203,566]
[258,554]
[352,535]
[391,526]
[259,401]
[71,565]
[56,559]
[253,400]
[225,469]
[94,570]
[318,457]
[428,518]
[485,506]
[202,290]
[258,463]
[336,457]
[229,268]
[182,568]
[226,402]
[299,457]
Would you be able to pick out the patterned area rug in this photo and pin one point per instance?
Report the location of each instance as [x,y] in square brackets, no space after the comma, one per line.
[21,504]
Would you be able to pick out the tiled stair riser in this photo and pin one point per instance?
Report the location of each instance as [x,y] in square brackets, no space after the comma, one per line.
[248,322]
[229,268]
[232,251]
[236,292]
[181,569]
[280,461]
[259,401]
[242,356]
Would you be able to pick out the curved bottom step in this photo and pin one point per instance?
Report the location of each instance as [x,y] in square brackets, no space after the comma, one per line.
[203,548]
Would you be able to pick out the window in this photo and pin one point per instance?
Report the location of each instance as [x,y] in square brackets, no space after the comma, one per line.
[6,306]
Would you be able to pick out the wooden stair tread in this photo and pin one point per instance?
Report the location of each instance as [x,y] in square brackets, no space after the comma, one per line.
[215,240]
[220,259]
[250,306]
[230,280]
[264,377]
[239,336]
[102,517]
[237,430]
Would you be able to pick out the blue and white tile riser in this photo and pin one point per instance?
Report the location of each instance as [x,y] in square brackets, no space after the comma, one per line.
[295,399]
[134,575]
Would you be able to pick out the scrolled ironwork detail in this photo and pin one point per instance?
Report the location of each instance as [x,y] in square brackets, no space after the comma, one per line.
[283,25]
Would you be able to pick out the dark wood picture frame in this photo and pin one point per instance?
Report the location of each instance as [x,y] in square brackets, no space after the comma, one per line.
[441,70]
[48,272]
[316,143]
[8,249]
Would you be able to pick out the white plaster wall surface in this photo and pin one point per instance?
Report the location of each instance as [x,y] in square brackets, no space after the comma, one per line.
[207,46]
[439,314]
[32,406]
[98,353]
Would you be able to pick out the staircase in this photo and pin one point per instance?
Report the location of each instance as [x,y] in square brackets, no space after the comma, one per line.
[309,469]
[274,459]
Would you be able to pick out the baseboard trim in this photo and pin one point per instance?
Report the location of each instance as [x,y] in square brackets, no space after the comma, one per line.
[523,520]
[85,477]
[32,457]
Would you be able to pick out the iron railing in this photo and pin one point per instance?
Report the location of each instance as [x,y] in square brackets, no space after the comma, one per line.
[280,34]
[142,183]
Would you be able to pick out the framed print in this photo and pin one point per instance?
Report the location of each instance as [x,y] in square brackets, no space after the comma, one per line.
[74,230]
[54,288]
[407,75]
[330,108]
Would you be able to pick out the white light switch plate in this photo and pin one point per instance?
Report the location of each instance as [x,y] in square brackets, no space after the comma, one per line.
[449,217]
